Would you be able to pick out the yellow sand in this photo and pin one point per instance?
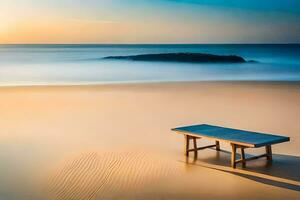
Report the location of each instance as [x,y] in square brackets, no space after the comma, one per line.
[114,141]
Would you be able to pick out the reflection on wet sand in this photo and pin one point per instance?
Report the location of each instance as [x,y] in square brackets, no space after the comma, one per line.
[114,141]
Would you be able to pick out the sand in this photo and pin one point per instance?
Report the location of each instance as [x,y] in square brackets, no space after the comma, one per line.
[114,141]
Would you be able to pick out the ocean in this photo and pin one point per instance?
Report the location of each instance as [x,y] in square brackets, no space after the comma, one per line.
[84,64]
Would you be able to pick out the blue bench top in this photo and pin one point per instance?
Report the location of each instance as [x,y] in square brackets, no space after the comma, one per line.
[240,137]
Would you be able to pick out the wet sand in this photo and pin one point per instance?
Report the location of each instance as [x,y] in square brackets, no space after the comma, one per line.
[114,141]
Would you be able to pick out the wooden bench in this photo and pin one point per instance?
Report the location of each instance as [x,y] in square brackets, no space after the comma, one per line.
[239,139]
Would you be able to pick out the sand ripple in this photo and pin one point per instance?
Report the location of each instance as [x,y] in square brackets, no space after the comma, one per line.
[109,175]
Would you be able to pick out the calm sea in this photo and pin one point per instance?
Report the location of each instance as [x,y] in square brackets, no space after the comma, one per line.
[83,64]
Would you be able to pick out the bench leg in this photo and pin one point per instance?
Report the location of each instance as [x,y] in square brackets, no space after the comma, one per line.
[218,146]
[186,145]
[243,156]
[269,152]
[187,149]
[195,147]
[233,156]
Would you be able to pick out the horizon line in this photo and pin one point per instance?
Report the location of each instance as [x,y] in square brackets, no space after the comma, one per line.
[281,43]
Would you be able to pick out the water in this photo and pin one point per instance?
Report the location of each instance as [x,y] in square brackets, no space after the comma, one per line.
[83,64]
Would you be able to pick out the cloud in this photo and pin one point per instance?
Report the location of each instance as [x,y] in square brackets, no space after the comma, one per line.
[94,21]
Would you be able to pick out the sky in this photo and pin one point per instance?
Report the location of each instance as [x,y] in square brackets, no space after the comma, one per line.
[149,21]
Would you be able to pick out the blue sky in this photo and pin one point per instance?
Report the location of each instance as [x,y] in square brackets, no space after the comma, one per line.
[271,5]
[145,21]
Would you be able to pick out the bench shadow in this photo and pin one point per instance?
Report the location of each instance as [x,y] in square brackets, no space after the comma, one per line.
[282,172]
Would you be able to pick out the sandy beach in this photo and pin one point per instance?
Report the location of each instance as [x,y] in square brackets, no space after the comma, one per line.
[114,141]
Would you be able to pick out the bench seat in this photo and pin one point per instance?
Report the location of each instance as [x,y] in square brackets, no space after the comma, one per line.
[237,138]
